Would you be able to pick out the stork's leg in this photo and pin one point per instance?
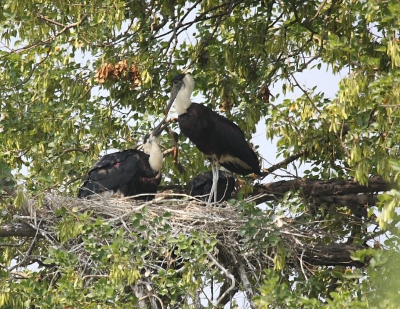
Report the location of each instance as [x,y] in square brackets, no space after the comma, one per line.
[211,194]
[215,173]
[215,181]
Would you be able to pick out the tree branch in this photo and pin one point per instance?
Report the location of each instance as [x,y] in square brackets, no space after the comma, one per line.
[12,229]
[226,256]
[330,255]
[53,37]
[227,274]
[343,192]
[357,203]
[246,285]
[283,163]
[319,188]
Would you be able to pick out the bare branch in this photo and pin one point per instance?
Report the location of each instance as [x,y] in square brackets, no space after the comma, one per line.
[197,301]
[20,275]
[139,293]
[53,37]
[246,284]
[302,265]
[47,20]
[230,276]
[318,11]
[283,163]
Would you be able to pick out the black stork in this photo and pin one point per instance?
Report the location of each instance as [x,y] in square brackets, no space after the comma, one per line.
[129,172]
[202,185]
[214,135]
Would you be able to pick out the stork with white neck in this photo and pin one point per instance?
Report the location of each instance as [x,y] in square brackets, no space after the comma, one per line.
[129,172]
[214,135]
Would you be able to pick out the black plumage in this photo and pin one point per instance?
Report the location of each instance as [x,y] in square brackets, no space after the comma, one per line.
[214,135]
[219,138]
[202,185]
[126,172]
[129,172]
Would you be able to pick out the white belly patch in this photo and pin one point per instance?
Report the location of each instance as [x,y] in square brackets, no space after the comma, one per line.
[233,160]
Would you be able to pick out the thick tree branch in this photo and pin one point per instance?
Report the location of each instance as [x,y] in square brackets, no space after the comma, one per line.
[343,192]
[331,254]
[16,230]
[357,203]
[320,188]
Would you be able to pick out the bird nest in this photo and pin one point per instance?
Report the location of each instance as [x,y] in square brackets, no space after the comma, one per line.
[186,213]
[173,235]
[243,229]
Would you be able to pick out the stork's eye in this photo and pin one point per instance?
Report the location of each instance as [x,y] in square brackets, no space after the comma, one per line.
[146,138]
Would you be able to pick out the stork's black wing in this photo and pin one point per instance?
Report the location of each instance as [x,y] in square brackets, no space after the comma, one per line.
[117,172]
[234,148]
[217,136]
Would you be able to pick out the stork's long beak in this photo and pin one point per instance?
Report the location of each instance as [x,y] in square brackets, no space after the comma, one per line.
[159,128]
[174,92]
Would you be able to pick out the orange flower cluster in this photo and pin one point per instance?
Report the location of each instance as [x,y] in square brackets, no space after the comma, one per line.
[119,71]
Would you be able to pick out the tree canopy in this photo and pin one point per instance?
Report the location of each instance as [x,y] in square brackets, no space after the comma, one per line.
[80,78]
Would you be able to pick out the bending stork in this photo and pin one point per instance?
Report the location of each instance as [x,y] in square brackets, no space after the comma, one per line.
[214,135]
[129,172]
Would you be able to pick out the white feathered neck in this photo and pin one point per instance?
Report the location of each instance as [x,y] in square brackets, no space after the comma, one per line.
[154,151]
[182,101]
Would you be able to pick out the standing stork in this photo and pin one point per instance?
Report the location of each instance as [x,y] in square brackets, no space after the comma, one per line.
[214,135]
[129,172]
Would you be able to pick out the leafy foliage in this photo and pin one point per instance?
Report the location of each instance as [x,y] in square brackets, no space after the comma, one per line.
[60,109]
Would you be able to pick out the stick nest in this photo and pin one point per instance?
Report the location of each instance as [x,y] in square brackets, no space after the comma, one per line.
[239,240]
[185,215]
